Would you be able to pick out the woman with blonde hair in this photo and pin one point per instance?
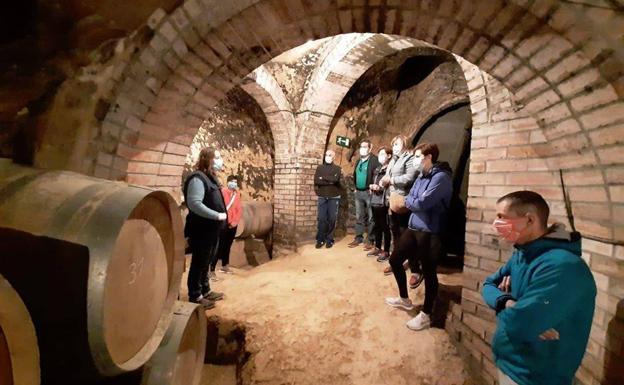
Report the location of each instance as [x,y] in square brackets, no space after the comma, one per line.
[401,174]
[206,218]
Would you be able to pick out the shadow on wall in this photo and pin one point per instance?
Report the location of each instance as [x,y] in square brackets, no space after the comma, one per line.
[613,364]
[238,127]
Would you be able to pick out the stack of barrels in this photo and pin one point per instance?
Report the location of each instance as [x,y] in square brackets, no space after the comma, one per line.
[92,268]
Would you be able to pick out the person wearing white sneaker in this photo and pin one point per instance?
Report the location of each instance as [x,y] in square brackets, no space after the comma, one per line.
[428,201]
[402,303]
[420,322]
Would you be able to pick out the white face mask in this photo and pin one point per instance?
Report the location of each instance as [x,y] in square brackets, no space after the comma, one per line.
[397,148]
[217,164]
[383,157]
[329,159]
[233,185]
[363,151]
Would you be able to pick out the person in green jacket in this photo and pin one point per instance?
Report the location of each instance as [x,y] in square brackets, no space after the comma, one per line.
[544,296]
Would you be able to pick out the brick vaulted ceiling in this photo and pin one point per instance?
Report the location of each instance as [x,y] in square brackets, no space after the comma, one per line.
[564,82]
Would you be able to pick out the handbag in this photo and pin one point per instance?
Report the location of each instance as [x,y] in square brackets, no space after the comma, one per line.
[397,203]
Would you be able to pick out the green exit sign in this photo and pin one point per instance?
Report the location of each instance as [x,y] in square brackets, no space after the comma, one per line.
[343,141]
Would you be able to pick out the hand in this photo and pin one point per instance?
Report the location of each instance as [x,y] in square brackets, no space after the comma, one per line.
[505,284]
[384,181]
[222,216]
[549,335]
[510,303]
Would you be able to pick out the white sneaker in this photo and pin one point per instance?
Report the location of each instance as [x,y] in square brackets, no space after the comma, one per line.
[398,302]
[213,276]
[226,269]
[420,322]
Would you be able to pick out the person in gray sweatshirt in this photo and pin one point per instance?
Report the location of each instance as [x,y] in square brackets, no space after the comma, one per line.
[402,172]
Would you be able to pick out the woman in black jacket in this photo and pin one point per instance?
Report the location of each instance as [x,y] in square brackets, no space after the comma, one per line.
[206,218]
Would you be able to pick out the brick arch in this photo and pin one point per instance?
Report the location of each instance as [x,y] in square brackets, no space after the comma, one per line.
[340,77]
[545,96]
[203,48]
[263,87]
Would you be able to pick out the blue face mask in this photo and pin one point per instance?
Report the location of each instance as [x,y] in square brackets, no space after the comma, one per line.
[217,164]
[232,185]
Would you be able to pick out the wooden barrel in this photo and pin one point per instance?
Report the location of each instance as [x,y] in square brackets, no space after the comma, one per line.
[256,221]
[113,258]
[180,358]
[19,354]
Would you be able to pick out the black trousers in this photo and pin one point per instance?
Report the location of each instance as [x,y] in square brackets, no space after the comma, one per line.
[225,245]
[203,251]
[398,225]
[422,247]
[381,227]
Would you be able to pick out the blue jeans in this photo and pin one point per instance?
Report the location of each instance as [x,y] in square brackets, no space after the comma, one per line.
[327,213]
[363,216]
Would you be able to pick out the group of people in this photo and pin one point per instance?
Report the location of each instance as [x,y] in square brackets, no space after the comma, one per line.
[214,212]
[543,297]
[401,195]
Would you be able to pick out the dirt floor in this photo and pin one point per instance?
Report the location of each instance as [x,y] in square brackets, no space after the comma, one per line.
[318,317]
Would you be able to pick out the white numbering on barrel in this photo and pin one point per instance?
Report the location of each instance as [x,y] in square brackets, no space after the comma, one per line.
[135,269]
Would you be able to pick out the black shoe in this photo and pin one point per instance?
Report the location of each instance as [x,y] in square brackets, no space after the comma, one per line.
[206,303]
[329,245]
[319,245]
[213,296]
[383,256]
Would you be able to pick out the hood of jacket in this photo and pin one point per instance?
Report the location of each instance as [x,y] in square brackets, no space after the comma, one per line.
[557,237]
[439,167]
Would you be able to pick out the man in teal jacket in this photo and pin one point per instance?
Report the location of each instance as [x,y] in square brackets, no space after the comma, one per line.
[544,296]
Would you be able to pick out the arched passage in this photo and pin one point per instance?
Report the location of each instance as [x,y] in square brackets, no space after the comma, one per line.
[545,97]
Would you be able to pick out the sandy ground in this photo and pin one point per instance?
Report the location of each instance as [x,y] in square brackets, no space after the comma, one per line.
[318,317]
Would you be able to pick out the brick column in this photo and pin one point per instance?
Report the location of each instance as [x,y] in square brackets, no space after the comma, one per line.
[294,201]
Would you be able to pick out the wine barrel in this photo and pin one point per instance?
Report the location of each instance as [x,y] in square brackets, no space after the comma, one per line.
[180,358]
[256,220]
[112,254]
[19,354]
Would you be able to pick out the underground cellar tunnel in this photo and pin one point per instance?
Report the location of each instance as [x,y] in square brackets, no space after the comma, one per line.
[105,107]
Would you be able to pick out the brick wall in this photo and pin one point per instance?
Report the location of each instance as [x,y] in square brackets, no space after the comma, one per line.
[510,152]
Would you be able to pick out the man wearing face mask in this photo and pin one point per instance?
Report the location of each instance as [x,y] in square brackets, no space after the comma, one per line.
[363,174]
[327,187]
[204,222]
[544,296]
[231,197]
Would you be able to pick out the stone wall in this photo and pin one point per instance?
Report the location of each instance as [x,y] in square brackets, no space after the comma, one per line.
[239,129]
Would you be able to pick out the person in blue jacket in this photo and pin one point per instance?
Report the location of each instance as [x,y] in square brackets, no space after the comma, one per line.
[428,201]
[544,296]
